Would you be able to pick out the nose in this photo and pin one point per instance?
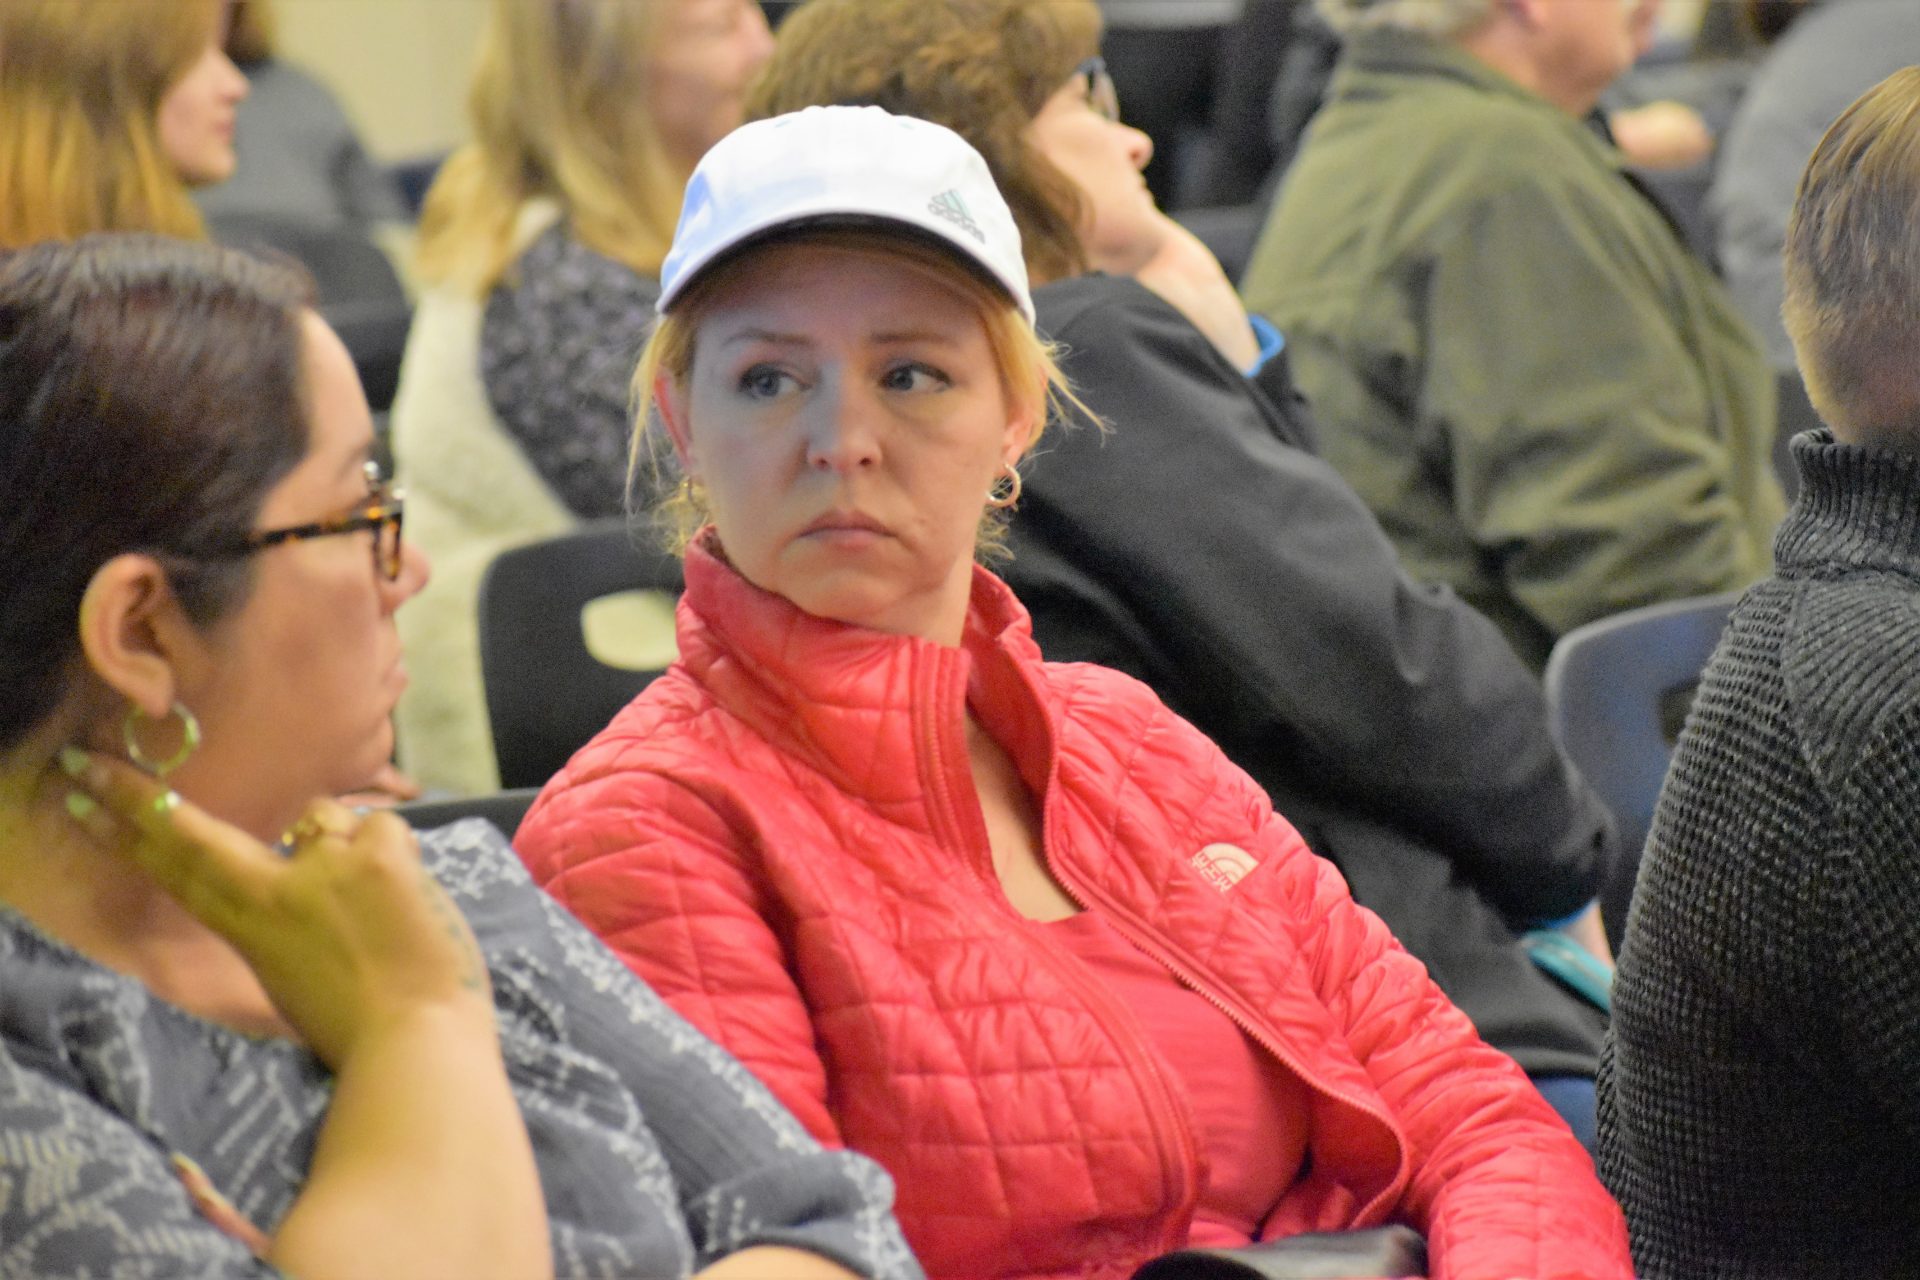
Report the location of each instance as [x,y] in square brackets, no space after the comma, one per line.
[237,85]
[843,431]
[759,37]
[415,569]
[1138,146]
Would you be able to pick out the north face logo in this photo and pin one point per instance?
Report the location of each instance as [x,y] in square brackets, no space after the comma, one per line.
[1223,865]
[948,205]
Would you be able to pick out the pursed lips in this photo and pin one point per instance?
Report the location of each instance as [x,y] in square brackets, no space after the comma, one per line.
[844,522]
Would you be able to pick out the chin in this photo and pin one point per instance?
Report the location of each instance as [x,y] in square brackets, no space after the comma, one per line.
[361,764]
[211,171]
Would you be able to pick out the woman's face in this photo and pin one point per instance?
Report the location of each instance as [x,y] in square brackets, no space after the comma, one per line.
[296,687]
[706,53]
[196,118]
[1078,133]
[846,416]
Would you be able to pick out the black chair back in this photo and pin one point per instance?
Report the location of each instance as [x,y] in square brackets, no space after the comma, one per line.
[358,292]
[503,809]
[547,694]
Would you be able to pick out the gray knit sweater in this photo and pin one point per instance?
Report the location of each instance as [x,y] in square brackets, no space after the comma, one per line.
[1760,1094]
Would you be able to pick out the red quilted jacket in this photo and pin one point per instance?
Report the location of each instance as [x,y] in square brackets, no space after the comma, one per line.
[781,835]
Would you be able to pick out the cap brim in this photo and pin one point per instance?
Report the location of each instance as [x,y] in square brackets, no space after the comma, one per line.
[795,226]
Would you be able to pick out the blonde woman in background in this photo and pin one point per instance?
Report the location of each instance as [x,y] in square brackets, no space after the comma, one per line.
[112,112]
[301,158]
[540,248]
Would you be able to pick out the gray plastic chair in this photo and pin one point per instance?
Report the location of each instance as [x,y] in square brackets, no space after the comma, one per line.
[1617,692]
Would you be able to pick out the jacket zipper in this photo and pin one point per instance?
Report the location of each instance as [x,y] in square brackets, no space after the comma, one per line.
[1180,1164]
[1179,1158]
[1137,936]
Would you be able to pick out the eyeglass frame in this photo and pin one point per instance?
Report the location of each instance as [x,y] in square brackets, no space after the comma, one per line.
[385,505]
[1102,94]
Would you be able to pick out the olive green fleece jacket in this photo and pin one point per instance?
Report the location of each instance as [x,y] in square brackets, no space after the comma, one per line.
[1550,404]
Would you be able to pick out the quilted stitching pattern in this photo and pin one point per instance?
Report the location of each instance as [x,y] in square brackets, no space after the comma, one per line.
[775,837]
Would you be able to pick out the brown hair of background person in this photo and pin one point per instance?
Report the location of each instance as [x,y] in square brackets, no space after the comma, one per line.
[252,31]
[200,399]
[1853,269]
[1769,19]
[985,77]
[81,84]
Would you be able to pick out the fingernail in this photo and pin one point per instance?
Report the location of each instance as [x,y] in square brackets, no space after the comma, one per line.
[73,761]
[81,808]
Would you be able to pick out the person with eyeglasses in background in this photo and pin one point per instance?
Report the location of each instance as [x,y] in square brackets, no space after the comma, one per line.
[1077,127]
[246,1030]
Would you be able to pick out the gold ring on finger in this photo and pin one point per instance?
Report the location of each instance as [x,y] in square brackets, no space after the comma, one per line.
[302,831]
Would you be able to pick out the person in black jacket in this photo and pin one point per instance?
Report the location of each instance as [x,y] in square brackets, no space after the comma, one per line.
[1196,542]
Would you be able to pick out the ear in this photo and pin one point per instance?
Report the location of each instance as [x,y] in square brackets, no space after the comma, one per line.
[133,632]
[1023,426]
[672,405]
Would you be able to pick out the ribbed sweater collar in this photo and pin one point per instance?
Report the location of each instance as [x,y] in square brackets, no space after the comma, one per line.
[1859,508]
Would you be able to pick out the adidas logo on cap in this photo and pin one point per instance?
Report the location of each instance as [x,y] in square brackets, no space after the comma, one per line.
[948,205]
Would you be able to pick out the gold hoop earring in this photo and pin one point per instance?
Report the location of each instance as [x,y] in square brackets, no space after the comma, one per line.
[189,740]
[1006,490]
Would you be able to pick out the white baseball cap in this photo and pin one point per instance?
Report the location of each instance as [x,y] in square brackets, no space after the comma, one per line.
[852,165]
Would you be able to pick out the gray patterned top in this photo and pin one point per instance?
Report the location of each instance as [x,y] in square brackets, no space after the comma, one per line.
[657,1151]
[562,334]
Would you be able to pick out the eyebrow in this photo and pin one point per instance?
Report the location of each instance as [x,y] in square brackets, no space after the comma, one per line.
[764,335]
[914,335]
[877,339]
[356,463]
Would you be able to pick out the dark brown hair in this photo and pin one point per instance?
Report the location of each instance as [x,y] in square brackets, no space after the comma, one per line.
[983,68]
[252,28]
[1853,267]
[152,397]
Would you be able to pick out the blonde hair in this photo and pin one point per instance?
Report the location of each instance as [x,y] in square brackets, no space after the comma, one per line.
[557,108]
[81,85]
[1852,263]
[1029,371]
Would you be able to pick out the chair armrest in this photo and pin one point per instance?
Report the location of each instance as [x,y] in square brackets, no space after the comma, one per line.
[1333,1255]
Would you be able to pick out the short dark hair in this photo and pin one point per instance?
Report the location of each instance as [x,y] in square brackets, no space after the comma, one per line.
[982,68]
[1853,267]
[151,395]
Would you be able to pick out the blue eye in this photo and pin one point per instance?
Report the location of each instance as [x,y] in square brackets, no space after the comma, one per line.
[764,381]
[915,377]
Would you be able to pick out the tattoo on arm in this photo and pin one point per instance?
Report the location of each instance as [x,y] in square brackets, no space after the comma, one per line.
[473,971]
